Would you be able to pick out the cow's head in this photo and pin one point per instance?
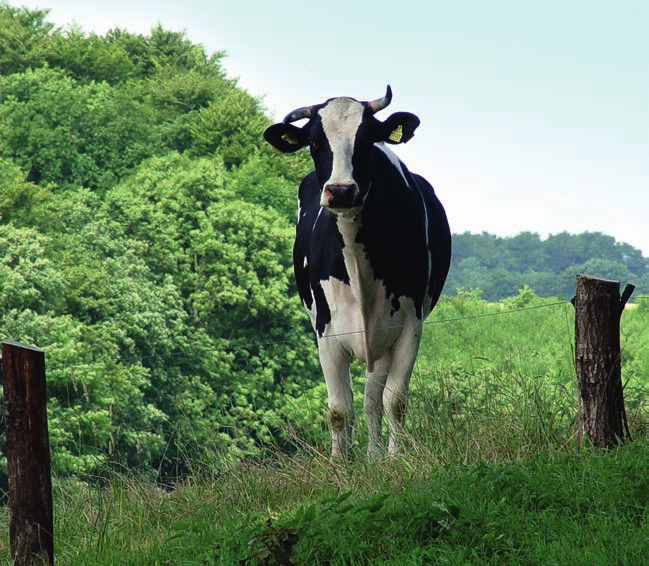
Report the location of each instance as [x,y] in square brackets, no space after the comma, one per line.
[340,134]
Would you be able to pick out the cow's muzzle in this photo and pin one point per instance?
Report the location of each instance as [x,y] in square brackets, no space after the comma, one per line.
[339,196]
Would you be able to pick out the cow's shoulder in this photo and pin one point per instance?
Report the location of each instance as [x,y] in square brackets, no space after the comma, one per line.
[389,170]
[308,194]
[317,250]
[306,216]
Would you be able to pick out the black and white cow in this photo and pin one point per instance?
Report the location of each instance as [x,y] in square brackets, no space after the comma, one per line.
[371,255]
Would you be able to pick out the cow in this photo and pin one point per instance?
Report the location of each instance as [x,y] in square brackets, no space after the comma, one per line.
[371,255]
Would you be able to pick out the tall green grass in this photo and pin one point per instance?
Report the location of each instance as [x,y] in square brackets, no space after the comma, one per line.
[493,479]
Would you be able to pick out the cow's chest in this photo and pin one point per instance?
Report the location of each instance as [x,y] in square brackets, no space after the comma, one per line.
[366,318]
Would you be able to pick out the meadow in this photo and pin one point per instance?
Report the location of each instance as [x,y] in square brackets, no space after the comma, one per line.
[491,472]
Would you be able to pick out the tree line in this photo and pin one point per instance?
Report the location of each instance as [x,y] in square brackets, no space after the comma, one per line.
[145,246]
[500,266]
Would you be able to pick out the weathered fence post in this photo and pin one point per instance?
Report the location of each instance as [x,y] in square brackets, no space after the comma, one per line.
[31,521]
[598,308]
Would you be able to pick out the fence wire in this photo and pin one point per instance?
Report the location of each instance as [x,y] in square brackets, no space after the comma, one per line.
[252,345]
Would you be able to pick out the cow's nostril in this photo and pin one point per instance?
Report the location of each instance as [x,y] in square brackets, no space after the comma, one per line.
[337,195]
[340,195]
[337,189]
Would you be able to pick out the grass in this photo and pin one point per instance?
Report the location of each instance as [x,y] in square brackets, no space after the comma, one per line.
[550,508]
[494,478]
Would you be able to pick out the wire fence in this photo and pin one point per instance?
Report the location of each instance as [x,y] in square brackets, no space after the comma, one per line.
[251,345]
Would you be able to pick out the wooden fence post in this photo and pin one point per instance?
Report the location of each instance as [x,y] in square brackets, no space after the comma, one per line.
[598,308]
[31,520]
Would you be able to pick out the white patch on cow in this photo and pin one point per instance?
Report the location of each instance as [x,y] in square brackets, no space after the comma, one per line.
[394,159]
[341,119]
[316,219]
[306,262]
[310,310]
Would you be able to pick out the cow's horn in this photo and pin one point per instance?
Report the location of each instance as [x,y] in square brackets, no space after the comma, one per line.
[304,112]
[381,103]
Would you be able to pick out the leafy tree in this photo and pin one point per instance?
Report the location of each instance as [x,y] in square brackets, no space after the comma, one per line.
[260,180]
[231,261]
[28,41]
[160,289]
[230,127]
[564,251]
[170,49]
[93,409]
[24,34]
[524,252]
[29,280]
[87,57]
[69,134]
[18,198]
[606,268]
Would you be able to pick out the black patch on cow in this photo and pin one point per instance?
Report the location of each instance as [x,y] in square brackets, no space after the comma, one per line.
[439,238]
[317,239]
[393,232]
[321,153]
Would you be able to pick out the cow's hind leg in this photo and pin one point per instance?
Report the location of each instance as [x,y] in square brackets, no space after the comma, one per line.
[335,366]
[373,403]
[395,394]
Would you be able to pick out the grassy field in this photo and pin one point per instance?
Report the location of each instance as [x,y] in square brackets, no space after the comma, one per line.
[502,485]
[551,508]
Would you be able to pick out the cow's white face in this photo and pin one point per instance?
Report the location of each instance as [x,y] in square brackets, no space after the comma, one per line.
[341,119]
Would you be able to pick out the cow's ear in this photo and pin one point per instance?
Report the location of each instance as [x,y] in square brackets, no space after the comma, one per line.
[285,138]
[399,127]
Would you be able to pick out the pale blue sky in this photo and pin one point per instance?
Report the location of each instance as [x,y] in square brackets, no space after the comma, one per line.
[535,115]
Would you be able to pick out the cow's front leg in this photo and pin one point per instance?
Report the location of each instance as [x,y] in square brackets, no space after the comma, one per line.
[373,403]
[395,394]
[335,366]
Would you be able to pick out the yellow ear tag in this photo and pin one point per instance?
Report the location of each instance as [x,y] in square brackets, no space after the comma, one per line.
[290,139]
[396,134]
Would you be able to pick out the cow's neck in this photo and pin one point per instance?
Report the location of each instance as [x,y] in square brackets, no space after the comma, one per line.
[358,266]
[361,276]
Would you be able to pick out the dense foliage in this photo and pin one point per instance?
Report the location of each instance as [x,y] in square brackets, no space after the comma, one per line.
[145,238]
[145,235]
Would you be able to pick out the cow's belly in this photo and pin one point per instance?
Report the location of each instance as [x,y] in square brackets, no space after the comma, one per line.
[365,335]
